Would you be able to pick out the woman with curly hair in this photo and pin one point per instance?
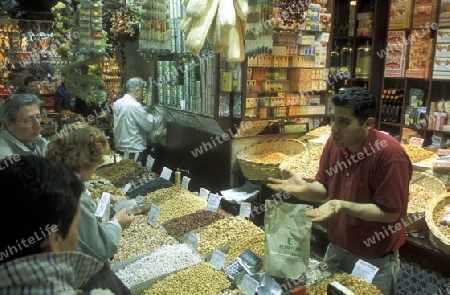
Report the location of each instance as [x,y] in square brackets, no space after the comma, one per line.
[82,151]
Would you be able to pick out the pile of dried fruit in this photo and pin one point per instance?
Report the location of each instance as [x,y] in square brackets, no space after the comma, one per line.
[118,170]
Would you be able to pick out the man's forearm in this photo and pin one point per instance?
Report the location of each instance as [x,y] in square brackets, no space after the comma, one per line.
[312,192]
[368,212]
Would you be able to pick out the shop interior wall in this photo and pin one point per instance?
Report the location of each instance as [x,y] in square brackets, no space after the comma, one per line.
[137,65]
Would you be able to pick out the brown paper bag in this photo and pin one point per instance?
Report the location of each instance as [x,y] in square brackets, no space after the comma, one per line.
[287,243]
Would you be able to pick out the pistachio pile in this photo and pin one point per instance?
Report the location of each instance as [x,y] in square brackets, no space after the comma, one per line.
[118,170]
[183,204]
[254,243]
[100,185]
[200,279]
[163,195]
[353,283]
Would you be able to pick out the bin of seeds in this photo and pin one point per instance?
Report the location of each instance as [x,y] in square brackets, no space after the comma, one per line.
[183,204]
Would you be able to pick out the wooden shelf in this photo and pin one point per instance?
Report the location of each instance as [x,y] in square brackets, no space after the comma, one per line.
[286,117]
[400,125]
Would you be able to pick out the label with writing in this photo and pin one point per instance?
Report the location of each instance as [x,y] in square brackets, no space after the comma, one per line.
[103,207]
[150,162]
[166,173]
[126,188]
[245,209]
[416,141]
[248,285]
[204,193]
[185,182]
[233,268]
[218,259]
[153,215]
[136,156]
[213,202]
[192,240]
[365,270]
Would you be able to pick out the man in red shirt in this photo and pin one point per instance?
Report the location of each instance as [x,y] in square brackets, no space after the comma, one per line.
[364,177]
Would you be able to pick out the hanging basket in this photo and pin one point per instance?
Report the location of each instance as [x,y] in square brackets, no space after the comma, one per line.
[433,186]
[438,237]
[258,170]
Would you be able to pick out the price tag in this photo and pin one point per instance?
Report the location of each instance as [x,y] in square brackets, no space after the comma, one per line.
[185,182]
[150,162]
[166,173]
[192,240]
[213,202]
[217,259]
[103,208]
[139,199]
[364,270]
[204,193]
[136,156]
[248,285]
[416,141]
[245,209]
[127,187]
[153,215]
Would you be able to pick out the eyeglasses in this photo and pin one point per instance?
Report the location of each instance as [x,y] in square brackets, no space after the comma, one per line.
[30,121]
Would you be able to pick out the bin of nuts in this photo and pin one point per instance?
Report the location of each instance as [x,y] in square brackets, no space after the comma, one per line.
[353,283]
[439,233]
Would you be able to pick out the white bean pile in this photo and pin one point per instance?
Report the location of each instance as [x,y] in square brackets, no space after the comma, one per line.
[165,260]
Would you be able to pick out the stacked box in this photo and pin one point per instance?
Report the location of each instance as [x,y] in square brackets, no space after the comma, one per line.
[399,17]
[365,24]
[424,13]
[444,13]
[441,64]
[306,79]
[420,51]
[395,54]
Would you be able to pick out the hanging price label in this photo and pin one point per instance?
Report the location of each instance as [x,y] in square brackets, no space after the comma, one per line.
[245,209]
[204,193]
[192,240]
[150,162]
[213,202]
[166,173]
[365,270]
[153,215]
[248,285]
[217,259]
[185,182]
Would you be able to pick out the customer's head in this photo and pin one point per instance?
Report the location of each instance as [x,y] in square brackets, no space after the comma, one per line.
[41,207]
[31,84]
[135,88]
[81,147]
[21,115]
[352,116]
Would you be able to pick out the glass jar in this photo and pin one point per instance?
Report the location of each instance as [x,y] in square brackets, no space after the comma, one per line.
[335,60]
[363,61]
[346,60]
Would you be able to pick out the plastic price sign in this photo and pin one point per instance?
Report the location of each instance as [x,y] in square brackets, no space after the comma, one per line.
[245,209]
[218,259]
[213,202]
[166,173]
[153,215]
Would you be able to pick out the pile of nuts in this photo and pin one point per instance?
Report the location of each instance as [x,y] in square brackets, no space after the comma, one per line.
[135,176]
[231,292]
[267,157]
[417,154]
[182,225]
[305,164]
[437,217]
[163,195]
[118,170]
[224,232]
[200,279]
[144,186]
[141,238]
[253,243]
[353,283]
[419,197]
[100,185]
[183,204]
[163,261]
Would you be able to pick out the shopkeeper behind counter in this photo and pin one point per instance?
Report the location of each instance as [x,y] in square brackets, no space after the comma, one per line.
[20,115]
[364,174]
[132,122]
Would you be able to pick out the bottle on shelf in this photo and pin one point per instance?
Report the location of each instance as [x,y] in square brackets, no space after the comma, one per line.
[346,60]
[363,61]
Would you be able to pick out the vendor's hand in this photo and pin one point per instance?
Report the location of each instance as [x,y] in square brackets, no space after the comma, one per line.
[294,184]
[116,199]
[123,218]
[324,211]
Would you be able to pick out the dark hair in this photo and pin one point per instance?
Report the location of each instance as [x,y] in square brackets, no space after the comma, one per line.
[9,110]
[36,193]
[357,98]
[29,79]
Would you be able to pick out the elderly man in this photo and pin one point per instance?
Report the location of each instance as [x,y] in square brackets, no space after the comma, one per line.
[20,116]
[132,122]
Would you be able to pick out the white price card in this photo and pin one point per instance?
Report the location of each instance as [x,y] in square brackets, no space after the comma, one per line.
[245,210]
[166,173]
[213,202]
[127,187]
[150,162]
[103,208]
[204,193]
[248,285]
[153,215]
[416,141]
[185,182]
[136,156]
[218,259]
[192,240]
[364,270]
